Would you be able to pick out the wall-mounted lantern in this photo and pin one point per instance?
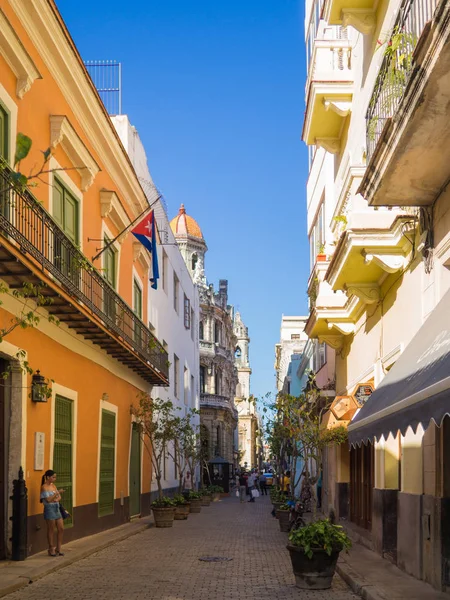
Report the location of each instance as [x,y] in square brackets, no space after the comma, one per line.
[38,388]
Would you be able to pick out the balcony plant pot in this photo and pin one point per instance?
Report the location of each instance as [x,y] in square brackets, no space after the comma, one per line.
[314,573]
[206,500]
[321,257]
[195,505]
[182,512]
[164,516]
[283,516]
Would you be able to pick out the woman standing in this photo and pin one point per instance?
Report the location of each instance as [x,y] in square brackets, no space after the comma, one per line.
[50,498]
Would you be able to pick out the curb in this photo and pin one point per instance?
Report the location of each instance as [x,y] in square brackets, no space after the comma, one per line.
[42,571]
[367,591]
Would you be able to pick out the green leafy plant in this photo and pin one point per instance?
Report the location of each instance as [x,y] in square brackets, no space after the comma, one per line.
[164,502]
[194,495]
[341,219]
[320,535]
[284,507]
[321,248]
[179,500]
[216,489]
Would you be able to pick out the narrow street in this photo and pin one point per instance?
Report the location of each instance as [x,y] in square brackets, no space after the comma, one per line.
[164,564]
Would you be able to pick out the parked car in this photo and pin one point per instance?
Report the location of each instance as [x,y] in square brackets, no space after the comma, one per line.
[269,478]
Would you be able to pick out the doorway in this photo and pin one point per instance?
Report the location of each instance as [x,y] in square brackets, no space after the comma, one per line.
[3,466]
[135,471]
[361,485]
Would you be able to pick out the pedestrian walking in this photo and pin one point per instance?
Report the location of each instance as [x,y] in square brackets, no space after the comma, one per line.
[251,485]
[242,487]
[50,498]
[263,484]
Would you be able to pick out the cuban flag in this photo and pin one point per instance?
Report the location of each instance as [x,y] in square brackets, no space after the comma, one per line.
[145,232]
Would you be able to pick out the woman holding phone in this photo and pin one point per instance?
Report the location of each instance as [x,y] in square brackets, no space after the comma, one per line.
[50,498]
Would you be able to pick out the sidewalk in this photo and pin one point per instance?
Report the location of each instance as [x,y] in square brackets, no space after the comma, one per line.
[17,574]
[375,578]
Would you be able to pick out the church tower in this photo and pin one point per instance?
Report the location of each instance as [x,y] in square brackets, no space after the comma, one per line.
[192,245]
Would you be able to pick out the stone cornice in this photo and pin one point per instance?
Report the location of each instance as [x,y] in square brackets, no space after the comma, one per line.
[13,51]
[62,132]
[111,207]
[362,19]
[52,40]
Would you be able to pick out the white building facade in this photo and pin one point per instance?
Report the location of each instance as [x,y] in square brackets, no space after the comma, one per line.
[173,308]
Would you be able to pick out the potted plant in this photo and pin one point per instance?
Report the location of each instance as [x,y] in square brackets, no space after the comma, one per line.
[206,496]
[182,507]
[195,501]
[314,551]
[216,491]
[163,511]
[278,498]
[321,256]
[283,514]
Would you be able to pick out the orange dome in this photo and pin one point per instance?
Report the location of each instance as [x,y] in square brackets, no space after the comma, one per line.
[183,224]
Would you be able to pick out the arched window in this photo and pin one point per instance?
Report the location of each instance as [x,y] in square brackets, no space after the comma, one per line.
[194,261]
[237,353]
[201,330]
[217,382]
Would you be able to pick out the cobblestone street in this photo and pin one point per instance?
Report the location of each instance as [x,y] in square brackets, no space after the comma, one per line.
[163,563]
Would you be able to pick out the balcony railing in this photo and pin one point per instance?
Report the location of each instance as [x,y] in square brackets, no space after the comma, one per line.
[396,67]
[24,220]
[217,401]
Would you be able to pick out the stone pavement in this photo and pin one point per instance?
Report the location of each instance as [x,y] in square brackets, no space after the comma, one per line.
[162,564]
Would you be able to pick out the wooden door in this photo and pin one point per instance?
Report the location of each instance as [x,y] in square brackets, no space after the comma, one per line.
[135,471]
[361,485]
[3,467]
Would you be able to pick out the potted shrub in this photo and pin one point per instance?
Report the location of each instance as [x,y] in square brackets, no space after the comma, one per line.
[182,507]
[206,496]
[314,551]
[283,514]
[216,491]
[278,498]
[195,501]
[321,256]
[163,511]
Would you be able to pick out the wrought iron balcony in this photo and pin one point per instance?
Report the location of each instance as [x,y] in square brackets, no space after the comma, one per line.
[397,67]
[34,249]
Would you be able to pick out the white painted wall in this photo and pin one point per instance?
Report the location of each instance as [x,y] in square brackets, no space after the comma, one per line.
[168,325]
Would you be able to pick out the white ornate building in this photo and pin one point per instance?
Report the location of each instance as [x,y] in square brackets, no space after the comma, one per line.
[218,374]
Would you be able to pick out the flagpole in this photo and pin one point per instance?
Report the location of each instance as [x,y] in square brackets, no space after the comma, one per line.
[138,218]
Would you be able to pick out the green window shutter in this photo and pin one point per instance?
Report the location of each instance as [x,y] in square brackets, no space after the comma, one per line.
[137,299]
[70,217]
[107,449]
[58,202]
[110,264]
[4,133]
[65,210]
[63,452]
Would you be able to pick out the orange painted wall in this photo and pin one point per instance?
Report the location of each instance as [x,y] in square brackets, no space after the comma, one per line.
[91,381]
[34,110]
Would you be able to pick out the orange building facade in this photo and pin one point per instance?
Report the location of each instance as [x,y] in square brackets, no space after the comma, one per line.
[99,354]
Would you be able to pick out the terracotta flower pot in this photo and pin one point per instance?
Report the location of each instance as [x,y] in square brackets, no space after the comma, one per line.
[206,500]
[315,573]
[182,512]
[216,496]
[195,505]
[164,516]
[283,519]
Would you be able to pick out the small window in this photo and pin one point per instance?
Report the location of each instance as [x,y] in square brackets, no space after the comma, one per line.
[194,261]
[218,382]
[201,332]
[176,283]
[238,353]
[176,369]
[164,270]
[186,386]
[187,312]
[192,392]
[295,336]
[192,324]
[217,331]
[202,380]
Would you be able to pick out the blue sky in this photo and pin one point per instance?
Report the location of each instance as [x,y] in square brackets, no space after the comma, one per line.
[216,91]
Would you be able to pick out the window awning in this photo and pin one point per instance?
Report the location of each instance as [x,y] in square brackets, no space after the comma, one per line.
[417,388]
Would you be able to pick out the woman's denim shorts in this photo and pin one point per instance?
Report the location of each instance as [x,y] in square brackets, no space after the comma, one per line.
[51,511]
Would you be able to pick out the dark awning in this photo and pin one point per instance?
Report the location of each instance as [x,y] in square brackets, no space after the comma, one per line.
[416,389]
